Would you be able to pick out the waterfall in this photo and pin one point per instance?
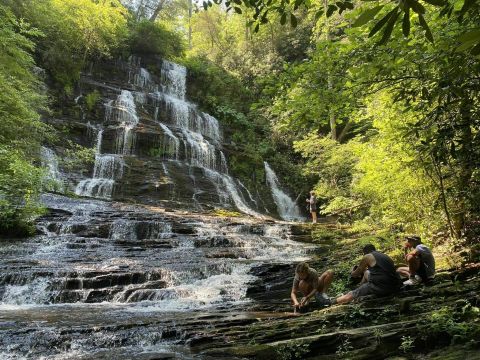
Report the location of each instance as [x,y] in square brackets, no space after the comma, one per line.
[187,135]
[171,144]
[199,151]
[232,190]
[248,192]
[107,169]
[54,177]
[287,209]
[173,79]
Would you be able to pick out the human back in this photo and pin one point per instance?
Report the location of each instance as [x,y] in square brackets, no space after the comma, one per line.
[383,274]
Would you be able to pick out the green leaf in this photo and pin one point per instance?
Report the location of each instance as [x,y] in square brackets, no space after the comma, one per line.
[349,5]
[406,22]
[366,16]
[389,28]
[416,6]
[238,2]
[466,6]
[423,23]
[257,27]
[283,18]
[470,35]
[237,9]
[293,21]
[466,45]
[318,14]
[382,22]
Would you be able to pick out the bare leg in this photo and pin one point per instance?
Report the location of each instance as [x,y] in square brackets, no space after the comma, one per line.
[345,299]
[364,280]
[314,217]
[403,271]
[325,280]
[413,264]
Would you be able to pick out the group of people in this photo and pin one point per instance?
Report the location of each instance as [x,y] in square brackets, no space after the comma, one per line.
[376,272]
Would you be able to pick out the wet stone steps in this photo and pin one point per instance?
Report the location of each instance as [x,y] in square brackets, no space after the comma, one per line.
[103,276]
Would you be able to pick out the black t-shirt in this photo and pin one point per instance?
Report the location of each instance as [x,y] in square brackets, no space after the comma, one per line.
[383,274]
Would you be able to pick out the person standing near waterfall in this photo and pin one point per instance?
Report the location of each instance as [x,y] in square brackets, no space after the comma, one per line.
[312,201]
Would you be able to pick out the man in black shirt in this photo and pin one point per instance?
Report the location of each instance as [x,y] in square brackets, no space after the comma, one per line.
[378,273]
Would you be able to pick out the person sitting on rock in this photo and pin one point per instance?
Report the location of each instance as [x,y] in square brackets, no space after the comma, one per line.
[311,286]
[421,263]
[378,275]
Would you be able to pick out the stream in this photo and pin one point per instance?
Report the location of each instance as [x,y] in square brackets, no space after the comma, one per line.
[114,281]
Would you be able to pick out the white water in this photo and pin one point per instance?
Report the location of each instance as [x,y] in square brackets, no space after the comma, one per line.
[173,79]
[287,208]
[54,177]
[191,136]
[107,169]
[171,143]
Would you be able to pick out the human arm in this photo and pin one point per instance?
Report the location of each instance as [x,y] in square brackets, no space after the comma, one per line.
[362,266]
[413,253]
[293,293]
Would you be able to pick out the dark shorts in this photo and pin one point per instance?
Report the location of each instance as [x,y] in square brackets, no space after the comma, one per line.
[313,305]
[422,271]
[370,289]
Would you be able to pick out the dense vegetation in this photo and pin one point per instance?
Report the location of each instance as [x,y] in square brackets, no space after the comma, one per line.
[386,132]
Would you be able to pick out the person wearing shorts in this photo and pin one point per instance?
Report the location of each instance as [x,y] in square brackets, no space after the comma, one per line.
[312,204]
[311,285]
[421,263]
[379,276]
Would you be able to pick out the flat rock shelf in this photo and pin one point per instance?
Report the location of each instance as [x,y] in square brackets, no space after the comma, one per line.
[107,280]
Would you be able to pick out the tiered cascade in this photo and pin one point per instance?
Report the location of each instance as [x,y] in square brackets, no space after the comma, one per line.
[189,138]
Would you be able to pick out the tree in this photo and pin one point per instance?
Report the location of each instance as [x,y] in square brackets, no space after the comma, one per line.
[21,130]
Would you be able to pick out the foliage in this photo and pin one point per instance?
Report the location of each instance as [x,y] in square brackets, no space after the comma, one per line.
[387,15]
[20,183]
[20,129]
[75,31]
[152,38]
[78,157]
[295,351]
[91,99]
[344,348]
[407,344]
[444,320]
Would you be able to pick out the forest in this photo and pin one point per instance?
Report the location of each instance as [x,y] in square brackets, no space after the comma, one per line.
[373,105]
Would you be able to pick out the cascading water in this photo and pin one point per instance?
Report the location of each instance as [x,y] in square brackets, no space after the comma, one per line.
[112,280]
[107,169]
[54,177]
[287,208]
[101,271]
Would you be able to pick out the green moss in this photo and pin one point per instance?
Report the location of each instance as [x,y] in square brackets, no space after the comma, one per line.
[226,213]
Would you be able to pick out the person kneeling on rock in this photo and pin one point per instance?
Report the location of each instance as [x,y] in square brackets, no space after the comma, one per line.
[311,286]
[421,263]
[378,274]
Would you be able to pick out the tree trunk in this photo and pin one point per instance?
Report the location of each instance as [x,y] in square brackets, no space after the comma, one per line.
[157,10]
[190,10]
[140,10]
[332,118]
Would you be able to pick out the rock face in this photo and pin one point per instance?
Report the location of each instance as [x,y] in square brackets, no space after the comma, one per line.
[104,279]
[152,145]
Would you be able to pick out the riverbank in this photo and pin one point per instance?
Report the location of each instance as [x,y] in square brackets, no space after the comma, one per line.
[439,321]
